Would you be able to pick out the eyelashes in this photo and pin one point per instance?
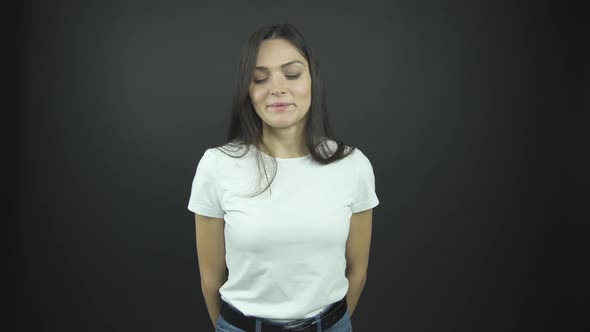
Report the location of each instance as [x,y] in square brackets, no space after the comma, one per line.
[290,77]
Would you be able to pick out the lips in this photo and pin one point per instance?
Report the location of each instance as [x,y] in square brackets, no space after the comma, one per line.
[279,104]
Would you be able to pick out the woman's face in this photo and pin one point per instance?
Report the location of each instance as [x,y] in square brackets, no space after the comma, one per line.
[281,76]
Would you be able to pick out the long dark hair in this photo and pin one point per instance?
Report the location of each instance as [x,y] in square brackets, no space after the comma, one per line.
[245,127]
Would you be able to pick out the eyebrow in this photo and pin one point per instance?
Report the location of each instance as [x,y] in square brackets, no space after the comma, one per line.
[282,66]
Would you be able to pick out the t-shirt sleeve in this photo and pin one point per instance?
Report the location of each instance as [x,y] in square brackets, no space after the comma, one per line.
[365,196]
[204,199]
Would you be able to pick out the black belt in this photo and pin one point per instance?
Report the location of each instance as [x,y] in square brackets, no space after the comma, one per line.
[248,323]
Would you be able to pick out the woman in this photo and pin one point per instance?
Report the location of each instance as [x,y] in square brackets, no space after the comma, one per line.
[296,251]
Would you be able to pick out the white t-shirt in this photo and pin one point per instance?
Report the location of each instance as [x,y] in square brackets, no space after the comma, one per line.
[285,248]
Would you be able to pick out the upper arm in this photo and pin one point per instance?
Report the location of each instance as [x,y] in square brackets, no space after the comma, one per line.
[210,248]
[359,242]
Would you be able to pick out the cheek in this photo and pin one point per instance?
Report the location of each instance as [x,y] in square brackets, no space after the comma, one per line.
[256,95]
[302,90]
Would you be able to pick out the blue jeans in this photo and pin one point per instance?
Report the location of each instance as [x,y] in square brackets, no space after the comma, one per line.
[342,325]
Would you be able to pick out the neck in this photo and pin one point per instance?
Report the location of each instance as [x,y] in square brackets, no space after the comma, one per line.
[285,145]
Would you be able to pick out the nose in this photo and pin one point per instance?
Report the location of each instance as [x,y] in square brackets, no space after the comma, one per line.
[277,86]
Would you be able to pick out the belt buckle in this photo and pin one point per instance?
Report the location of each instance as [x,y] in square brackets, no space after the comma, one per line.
[300,326]
[304,325]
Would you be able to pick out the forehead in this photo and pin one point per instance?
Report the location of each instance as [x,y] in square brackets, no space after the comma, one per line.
[275,52]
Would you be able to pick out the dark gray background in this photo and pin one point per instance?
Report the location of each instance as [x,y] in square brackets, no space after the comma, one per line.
[465,109]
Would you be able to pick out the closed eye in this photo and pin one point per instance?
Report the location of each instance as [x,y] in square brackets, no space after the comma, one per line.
[290,77]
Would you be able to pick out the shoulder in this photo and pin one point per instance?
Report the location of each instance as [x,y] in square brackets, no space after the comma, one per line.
[362,163]
[231,155]
[360,155]
[209,156]
[212,158]
[225,149]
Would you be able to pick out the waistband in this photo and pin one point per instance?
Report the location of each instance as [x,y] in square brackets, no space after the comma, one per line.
[326,319]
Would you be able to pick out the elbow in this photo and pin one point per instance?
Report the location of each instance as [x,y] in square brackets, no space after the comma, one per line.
[210,287]
[213,282]
[358,273]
